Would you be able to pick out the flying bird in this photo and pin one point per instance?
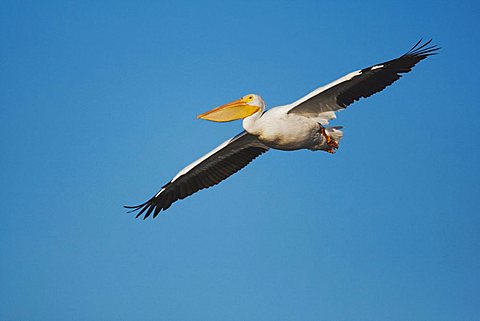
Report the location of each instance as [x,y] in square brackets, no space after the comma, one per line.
[299,125]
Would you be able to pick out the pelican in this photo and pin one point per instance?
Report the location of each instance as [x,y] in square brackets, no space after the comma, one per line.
[299,125]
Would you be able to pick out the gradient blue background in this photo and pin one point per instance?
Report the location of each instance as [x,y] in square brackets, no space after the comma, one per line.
[98,103]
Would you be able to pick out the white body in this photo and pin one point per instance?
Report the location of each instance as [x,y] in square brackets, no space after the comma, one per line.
[280,130]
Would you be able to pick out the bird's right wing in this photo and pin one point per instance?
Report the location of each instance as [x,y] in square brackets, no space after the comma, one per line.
[209,170]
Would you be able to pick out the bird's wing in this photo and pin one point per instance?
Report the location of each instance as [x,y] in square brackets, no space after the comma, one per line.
[360,84]
[209,170]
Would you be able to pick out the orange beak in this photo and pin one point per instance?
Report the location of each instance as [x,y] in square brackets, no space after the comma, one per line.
[234,110]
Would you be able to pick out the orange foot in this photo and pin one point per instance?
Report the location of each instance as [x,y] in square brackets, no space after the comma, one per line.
[330,142]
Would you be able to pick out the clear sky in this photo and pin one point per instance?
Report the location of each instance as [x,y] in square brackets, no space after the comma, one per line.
[98,102]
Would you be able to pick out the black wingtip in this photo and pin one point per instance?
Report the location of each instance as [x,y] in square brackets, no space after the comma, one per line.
[423,49]
[415,46]
[141,208]
[134,208]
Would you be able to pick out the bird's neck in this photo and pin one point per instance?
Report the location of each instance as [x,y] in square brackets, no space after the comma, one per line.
[250,123]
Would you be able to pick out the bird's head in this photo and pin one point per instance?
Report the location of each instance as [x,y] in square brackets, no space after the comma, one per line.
[237,109]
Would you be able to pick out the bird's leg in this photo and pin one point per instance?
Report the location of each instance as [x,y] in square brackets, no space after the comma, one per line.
[330,142]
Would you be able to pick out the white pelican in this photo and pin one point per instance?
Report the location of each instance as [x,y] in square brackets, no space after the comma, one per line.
[299,125]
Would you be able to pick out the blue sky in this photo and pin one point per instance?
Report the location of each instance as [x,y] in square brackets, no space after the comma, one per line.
[98,104]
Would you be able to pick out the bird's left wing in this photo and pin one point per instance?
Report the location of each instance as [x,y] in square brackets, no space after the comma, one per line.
[359,84]
[209,170]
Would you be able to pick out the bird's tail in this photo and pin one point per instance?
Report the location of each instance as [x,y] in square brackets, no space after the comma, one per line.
[335,133]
